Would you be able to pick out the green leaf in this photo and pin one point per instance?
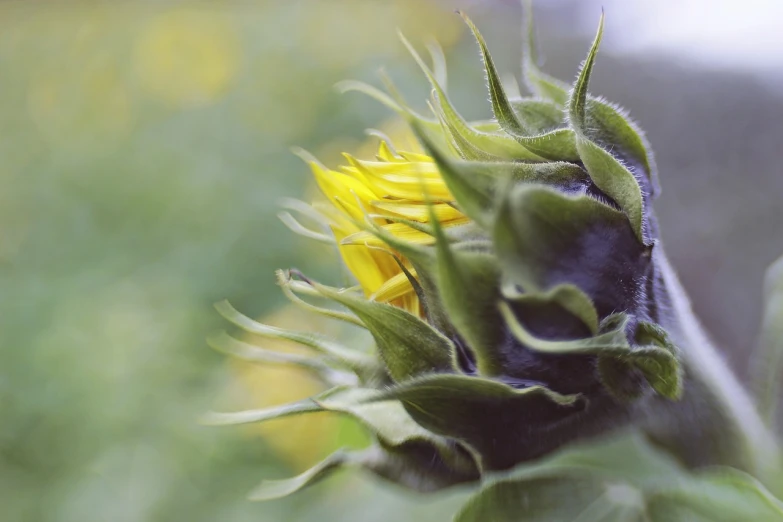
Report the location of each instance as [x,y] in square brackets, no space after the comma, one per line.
[272,489]
[768,361]
[487,415]
[544,499]
[537,81]
[619,478]
[408,346]
[624,456]
[724,495]
[611,176]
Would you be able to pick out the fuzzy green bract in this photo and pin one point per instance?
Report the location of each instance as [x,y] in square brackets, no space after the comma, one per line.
[541,338]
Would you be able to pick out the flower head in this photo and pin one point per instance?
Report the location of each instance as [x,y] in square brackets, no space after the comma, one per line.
[506,272]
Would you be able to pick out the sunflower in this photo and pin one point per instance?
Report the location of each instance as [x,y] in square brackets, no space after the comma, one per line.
[510,275]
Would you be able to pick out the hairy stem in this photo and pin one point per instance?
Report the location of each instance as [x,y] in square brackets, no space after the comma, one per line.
[716,422]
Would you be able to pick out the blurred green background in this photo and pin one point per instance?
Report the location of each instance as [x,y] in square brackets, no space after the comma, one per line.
[144,147]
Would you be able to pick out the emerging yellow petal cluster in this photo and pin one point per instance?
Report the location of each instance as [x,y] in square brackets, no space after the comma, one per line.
[389,190]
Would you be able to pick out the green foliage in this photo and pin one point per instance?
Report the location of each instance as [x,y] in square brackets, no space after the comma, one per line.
[623,479]
[770,356]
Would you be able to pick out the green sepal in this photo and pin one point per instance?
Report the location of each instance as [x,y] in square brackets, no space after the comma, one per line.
[473,193]
[414,466]
[408,346]
[397,105]
[485,414]
[557,144]
[322,367]
[298,228]
[461,145]
[386,420]
[468,286]
[539,116]
[391,424]
[620,379]
[495,144]
[615,181]
[360,363]
[540,83]
[648,333]
[260,415]
[405,466]
[663,372]
[609,341]
[274,489]
[568,296]
[609,124]
[660,368]
[289,289]
[606,171]
[536,226]
[658,365]
[504,112]
[474,184]
[439,69]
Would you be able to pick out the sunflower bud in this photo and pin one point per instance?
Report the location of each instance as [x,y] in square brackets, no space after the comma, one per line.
[509,274]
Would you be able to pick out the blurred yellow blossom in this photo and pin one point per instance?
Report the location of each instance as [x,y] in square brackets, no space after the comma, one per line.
[298,439]
[187,57]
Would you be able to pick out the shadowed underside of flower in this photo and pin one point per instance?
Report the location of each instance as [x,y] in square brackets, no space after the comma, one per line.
[507,272]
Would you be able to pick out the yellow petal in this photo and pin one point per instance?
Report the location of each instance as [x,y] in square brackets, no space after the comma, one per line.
[386,154]
[399,230]
[407,168]
[369,268]
[396,287]
[415,157]
[417,211]
[342,186]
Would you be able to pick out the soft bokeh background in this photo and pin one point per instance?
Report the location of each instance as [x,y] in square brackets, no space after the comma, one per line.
[144,147]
